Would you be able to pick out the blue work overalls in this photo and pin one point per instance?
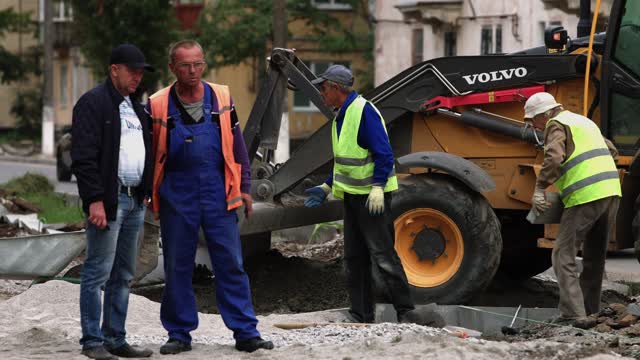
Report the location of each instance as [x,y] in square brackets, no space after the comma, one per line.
[192,195]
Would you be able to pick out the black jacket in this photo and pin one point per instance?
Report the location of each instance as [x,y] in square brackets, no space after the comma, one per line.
[95,147]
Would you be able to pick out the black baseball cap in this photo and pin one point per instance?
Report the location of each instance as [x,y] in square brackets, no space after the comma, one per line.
[337,73]
[129,55]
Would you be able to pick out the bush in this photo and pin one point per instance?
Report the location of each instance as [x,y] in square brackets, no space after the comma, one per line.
[29,184]
[27,108]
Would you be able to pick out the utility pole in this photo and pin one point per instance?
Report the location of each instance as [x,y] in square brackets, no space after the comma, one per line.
[280,31]
[48,115]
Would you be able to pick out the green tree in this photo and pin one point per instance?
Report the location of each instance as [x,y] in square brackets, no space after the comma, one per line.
[233,31]
[103,24]
[13,67]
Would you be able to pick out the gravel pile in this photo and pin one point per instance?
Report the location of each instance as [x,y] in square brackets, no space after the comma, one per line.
[43,322]
[54,306]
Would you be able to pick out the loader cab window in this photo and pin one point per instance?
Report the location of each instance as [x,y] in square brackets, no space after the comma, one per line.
[625,97]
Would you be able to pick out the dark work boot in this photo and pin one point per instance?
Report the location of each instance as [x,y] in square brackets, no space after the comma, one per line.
[424,315]
[253,344]
[128,351]
[98,353]
[174,346]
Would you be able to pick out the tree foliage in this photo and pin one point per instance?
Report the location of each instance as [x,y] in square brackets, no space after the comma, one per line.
[102,25]
[12,66]
[233,31]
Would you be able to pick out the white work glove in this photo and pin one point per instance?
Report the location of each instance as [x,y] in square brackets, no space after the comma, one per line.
[375,201]
[539,201]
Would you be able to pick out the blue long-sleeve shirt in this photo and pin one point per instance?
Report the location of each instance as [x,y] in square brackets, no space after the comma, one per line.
[371,136]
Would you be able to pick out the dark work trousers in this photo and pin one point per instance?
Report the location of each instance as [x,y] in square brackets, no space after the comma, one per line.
[585,225]
[369,240]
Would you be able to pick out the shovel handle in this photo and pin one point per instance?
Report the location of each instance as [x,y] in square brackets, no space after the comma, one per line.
[294,326]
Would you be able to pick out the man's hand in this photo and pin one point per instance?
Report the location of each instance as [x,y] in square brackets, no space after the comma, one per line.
[97,215]
[248,205]
[317,195]
[375,201]
[539,201]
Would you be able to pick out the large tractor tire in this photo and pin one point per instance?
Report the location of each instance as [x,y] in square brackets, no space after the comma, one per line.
[447,236]
[521,257]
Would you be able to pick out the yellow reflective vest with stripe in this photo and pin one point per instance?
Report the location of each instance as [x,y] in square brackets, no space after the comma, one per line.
[353,166]
[589,173]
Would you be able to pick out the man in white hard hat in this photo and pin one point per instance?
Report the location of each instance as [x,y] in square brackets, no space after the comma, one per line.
[579,161]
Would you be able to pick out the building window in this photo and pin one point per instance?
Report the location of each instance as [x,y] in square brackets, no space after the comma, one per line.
[417,46]
[63,85]
[301,102]
[486,40]
[450,43]
[498,49]
[62,11]
[331,4]
[487,36]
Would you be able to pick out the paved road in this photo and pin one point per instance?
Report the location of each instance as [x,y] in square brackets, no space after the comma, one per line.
[11,169]
[623,266]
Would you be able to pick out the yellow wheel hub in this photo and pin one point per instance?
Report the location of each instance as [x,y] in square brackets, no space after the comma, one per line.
[430,246]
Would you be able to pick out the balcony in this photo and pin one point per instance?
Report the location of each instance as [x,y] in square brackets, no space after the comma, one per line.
[573,6]
[435,12]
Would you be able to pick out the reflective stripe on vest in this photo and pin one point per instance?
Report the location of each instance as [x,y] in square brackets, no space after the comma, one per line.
[589,173]
[159,103]
[353,166]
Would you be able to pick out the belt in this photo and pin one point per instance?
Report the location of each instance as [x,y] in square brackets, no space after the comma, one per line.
[129,190]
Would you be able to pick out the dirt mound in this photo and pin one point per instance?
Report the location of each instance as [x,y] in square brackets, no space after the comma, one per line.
[279,284]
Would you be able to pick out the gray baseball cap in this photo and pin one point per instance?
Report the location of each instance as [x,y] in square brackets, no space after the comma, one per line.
[337,73]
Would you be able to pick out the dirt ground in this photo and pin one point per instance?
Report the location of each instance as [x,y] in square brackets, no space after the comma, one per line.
[279,285]
[282,282]
[43,323]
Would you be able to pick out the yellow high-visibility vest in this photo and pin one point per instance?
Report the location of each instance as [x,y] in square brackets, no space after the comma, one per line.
[589,173]
[352,165]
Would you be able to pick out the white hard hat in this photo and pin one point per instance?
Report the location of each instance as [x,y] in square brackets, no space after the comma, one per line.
[539,103]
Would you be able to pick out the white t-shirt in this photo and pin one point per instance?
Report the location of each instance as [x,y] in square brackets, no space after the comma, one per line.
[132,151]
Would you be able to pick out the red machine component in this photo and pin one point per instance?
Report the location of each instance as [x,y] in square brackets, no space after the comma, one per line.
[519,94]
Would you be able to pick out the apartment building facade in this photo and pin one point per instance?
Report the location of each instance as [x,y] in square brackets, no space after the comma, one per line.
[409,31]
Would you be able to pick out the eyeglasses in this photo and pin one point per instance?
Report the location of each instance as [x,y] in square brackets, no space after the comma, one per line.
[197,65]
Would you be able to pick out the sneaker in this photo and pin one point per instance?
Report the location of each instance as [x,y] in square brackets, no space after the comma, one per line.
[253,344]
[174,346]
[98,353]
[128,351]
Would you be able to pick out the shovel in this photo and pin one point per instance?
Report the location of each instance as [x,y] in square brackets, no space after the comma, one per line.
[510,330]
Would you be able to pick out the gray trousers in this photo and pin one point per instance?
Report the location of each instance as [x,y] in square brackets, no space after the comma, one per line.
[585,225]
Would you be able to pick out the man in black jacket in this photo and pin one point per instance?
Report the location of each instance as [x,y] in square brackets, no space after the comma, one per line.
[112,160]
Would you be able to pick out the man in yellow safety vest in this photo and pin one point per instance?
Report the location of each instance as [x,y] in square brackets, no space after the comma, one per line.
[578,161]
[364,177]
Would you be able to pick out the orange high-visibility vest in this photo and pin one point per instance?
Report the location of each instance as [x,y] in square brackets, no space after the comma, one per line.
[232,170]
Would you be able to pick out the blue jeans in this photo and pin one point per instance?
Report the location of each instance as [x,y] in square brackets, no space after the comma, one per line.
[110,265]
